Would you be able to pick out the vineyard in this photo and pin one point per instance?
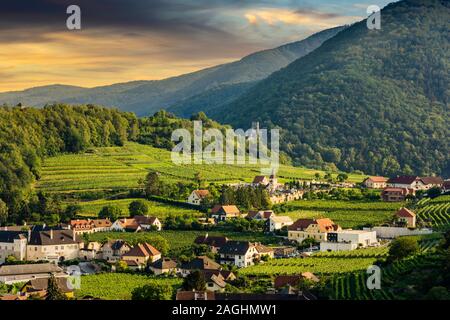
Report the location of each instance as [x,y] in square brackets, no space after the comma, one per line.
[435,212]
[352,286]
[112,168]
[157,209]
[348,214]
[118,286]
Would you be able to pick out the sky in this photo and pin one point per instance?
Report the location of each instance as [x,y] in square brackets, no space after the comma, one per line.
[126,40]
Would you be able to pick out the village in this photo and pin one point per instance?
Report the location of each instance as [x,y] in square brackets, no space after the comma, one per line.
[30,255]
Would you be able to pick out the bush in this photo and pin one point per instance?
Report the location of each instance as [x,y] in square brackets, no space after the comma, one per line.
[153,292]
[402,248]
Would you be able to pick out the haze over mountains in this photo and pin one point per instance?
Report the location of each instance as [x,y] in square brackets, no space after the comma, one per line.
[373,100]
[208,88]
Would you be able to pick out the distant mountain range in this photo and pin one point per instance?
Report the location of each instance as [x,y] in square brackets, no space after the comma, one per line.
[184,95]
[372,100]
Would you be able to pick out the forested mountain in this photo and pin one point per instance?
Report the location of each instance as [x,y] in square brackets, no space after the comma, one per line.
[146,97]
[373,100]
[27,135]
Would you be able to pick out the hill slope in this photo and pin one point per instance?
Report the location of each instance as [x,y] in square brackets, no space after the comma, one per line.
[373,100]
[146,97]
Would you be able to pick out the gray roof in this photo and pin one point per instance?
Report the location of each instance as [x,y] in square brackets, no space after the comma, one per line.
[8,270]
[60,237]
[10,236]
[236,247]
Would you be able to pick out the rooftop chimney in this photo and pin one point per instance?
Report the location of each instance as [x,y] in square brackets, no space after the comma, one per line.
[51,234]
[74,235]
[29,235]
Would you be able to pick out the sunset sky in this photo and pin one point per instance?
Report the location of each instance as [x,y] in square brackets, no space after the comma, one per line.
[125,40]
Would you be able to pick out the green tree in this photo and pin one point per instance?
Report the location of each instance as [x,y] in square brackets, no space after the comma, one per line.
[54,292]
[402,247]
[71,212]
[138,208]
[3,212]
[152,184]
[121,266]
[110,212]
[153,291]
[194,281]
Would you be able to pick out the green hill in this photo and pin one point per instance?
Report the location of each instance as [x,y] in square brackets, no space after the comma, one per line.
[146,97]
[373,100]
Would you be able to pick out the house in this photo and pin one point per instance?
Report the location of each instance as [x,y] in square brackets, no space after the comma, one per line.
[238,253]
[90,226]
[91,251]
[199,263]
[225,212]
[164,265]
[264,251]
[142,254]
[136,224]
[260,215]
[407,217]
[13,243]
[260,181]
[10,274]
[196,197]
[285,252]
[148,223]
[316,229]
[53,245]
[213,242]
[279,222]
[215,282]
[293,281]
[195,295]
[113,250]
[408,182]
[446,185]
[391,194]
[375,182]
[281,196]
[38,287]
[343,240]
[431,182]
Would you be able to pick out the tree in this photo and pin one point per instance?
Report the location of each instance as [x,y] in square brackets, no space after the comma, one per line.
[153,291]
[152,184]
[110,212]
[402,247]
[121,266]
[138,208]
[342,177]
[53,290]
[71,212]
[3,212]
[194,281]
[438,293]
[434,192]
[198,178]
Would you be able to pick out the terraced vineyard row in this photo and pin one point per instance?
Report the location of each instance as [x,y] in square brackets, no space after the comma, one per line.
[436,213]
[352,286]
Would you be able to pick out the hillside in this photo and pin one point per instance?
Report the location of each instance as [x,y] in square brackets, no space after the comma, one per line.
[373,100]
[146,97]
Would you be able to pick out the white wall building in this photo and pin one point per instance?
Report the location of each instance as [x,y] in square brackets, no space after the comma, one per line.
[348,240]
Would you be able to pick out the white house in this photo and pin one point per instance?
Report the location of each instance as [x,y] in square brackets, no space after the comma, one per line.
[278,222]
[348,240]
[407,182]
[136,224]
[197,196]
[375,182]
[12,243]
[239,253]
[53,245]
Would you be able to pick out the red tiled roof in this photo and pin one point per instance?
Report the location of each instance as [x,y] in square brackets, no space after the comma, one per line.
[325,225]
[405,213]
[201,193]
[282,281]
[377,179]
[403,179]
[142,250]
[259,179]
[432,180]
[228,209]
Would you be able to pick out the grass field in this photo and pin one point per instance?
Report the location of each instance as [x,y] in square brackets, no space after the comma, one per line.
[348,214]
[180,239]
[435,212]
[160,210]
[121,167]
[118,286]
